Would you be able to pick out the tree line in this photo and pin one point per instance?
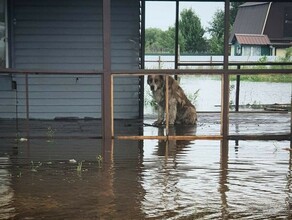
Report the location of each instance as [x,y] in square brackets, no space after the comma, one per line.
[191,34]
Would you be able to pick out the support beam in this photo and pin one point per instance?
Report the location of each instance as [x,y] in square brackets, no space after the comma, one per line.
[225,77]
[27,105]
[237,91]
[107,79]
[176,60]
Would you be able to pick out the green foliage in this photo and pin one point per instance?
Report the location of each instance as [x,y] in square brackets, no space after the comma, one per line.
[50,134]
[79,167]
[193,96]
[288,55]
[99,159]
[265,78]
[233,10]
[158,41]
[216,30]
[190,37]
[287,78]
[192,32]
[152,42]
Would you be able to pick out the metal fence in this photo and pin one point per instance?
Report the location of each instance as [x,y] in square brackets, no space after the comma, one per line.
[108,74]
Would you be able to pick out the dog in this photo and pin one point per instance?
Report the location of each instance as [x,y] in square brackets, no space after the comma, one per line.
[181,110]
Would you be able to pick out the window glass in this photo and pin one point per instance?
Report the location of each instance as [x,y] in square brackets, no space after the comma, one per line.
[246,51]
[256,51]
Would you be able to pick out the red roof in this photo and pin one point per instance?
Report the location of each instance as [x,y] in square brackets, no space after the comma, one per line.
[252,39]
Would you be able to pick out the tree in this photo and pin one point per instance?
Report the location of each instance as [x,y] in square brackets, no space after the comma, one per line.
[157,40]
[192,32]
[152,36]
[233,11]
[216,29]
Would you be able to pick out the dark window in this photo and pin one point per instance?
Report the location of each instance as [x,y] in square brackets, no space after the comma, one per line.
[288,22]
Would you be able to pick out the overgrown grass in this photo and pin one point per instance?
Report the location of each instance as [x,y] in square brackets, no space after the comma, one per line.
[265,78]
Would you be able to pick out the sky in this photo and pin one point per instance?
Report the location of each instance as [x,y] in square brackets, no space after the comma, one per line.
[162,14]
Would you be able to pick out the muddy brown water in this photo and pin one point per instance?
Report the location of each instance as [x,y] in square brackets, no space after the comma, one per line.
[44,179]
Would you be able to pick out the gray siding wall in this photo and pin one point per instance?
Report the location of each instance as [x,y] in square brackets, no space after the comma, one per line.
[67,35]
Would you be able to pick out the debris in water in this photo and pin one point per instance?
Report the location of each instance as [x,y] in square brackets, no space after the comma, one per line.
[72,161]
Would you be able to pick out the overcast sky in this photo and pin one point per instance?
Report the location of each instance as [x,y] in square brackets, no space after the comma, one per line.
[162,14]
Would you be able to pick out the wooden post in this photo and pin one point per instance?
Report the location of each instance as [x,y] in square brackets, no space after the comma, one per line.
[27,105]
[176,46]
[237,91]
[223,177]
[225,78]
[166,107]
[107,79]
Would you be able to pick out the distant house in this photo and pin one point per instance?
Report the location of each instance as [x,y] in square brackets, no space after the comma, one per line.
[262,28]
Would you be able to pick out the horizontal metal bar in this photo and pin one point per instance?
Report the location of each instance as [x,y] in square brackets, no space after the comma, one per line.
[219,63]
[45,137]
[151,71]
[189,137]
[259,71]
[201,71]
[56,72]
[208,137]
[168,72]
[278,137]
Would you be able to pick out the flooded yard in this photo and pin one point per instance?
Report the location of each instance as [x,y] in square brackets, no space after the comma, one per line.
[145,180]
[205,93]
[64,171]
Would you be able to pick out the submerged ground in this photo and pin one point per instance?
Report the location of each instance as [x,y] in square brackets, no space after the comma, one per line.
[65,172]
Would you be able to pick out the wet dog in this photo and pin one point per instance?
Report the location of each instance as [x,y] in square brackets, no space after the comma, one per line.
[181,110]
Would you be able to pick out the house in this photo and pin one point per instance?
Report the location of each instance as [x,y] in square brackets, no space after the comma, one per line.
[251,45]
[66,35]
[262,28]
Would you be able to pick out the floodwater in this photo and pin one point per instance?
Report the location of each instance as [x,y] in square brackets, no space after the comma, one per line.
[45,179]
[81,178]
[208,96]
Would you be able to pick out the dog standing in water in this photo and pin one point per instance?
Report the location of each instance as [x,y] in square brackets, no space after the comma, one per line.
[181,110]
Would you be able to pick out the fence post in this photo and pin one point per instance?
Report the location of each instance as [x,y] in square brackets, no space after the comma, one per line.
[225,77]
[27,105]
[237,91]
[107,78]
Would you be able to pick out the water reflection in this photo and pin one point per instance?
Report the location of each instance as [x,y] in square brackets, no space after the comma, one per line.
[146,180]
[172,147]
[6,191]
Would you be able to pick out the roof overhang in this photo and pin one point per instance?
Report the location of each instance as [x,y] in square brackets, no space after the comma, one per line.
[251,39]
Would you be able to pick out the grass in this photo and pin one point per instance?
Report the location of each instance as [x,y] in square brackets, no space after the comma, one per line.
[34,167]
[79,167]
[265,78]
[50,134]
[99,160]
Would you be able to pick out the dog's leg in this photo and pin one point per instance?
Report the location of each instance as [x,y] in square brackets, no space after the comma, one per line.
[160,116]
[172,111]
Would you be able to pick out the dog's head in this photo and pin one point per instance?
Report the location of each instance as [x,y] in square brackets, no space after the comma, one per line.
[155,82]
